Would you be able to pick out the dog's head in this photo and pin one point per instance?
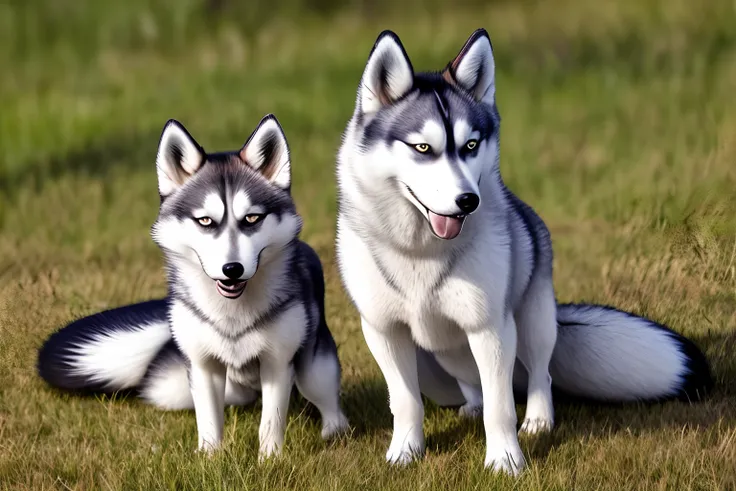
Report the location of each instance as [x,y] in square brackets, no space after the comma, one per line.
[222,211]
[431,134]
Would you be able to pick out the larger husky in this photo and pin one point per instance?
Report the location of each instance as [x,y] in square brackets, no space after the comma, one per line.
[438,254]
[245,311]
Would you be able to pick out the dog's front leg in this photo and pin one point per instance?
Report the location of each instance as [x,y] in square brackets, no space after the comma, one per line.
[207,382]
[277,377]
[494,350]
[395,353]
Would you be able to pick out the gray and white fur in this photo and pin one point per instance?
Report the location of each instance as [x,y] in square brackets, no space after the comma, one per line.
[452,273]
[245,310]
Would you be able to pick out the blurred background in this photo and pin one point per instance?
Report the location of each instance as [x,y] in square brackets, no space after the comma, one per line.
[619,128]
[585,89]
[614,112]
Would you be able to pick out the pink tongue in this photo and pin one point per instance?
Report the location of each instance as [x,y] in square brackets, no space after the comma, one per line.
[445,227]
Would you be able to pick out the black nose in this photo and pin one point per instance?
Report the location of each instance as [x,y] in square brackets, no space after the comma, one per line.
[468,202]
[233,270]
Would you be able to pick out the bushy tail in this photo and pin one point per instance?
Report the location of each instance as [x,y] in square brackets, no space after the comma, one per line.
[610,355]
[127,348]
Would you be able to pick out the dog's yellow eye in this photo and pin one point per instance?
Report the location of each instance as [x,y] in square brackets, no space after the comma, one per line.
[471,144]
[205,221]
[421,147]
[251,219]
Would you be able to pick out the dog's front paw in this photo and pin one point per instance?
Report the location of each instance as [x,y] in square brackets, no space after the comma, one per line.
[536,425]
[268,449]
[406,447]
[403,456]
[207,446]
[508,459]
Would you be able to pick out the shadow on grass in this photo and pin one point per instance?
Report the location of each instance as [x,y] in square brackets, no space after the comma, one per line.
[366,405]
[130,151]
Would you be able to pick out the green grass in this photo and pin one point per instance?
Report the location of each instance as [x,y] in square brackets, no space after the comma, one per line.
[619,127]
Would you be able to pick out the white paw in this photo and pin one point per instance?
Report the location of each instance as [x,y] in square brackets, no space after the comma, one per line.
[207,447]
[403,456]
[470,410]
[268,449]
[334,426]
[536,425]
[509,460]
[406,447]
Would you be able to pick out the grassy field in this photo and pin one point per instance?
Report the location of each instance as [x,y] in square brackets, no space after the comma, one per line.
[619,127]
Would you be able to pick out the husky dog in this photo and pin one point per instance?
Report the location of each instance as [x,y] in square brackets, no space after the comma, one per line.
[452,273]
[245,311]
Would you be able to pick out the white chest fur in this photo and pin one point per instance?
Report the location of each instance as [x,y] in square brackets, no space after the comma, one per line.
[439,297]
[234,346]
[207,325]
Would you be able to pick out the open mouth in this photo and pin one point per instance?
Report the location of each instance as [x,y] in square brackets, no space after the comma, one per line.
[231,288]
[443,226]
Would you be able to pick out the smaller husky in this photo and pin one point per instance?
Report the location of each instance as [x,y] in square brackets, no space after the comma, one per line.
[245,311]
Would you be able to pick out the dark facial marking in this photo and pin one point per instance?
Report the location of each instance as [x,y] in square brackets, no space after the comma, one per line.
[226,174]
[431,97]
[449,131]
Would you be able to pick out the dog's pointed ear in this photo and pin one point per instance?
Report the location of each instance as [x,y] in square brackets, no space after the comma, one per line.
[268,152]
[388,75]
[473,69]
[179,157]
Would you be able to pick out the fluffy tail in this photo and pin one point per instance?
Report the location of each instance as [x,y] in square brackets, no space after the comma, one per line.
[128,348]
[609,355]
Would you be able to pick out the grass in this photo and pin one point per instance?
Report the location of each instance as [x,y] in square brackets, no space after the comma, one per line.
[619,127]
